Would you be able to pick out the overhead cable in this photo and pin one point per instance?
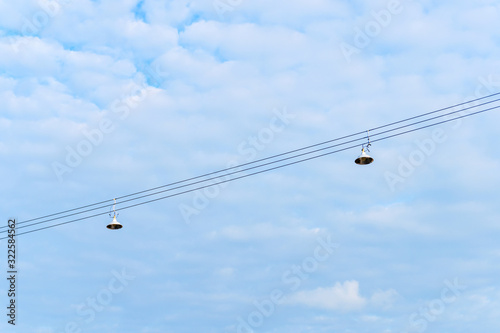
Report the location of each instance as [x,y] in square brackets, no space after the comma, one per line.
[257,172]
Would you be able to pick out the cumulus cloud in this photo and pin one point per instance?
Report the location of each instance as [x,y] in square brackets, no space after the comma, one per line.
[341,297]
[344,297]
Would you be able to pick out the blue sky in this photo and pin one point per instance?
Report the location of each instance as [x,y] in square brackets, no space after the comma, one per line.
[151,92]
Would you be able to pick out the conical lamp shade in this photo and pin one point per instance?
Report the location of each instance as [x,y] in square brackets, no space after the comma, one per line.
[114,224]
[364,158]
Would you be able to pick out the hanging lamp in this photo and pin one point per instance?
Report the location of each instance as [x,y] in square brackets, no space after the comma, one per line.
[114,225]
[364,158]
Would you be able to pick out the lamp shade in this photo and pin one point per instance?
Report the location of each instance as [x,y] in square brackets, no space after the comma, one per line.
[364,158]
[114,225]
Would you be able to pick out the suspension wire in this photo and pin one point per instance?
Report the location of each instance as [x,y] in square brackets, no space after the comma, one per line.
[260,160]
[261,171]
[251,168]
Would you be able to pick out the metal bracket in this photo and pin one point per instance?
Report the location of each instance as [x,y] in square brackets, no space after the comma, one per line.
[114,211]
[367,145]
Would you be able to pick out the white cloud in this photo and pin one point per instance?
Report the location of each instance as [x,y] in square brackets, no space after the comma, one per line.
[341,297]
[345,297]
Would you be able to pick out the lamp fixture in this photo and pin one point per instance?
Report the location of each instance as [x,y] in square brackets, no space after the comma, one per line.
[364,158]
[114,225]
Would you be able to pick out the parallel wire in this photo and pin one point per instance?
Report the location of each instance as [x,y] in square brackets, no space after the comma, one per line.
[239,171]
[262,171]
[254,167]
[256,161]
[251,168]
